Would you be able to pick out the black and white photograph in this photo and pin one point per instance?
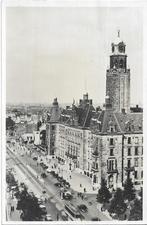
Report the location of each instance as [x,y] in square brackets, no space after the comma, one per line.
[73,114]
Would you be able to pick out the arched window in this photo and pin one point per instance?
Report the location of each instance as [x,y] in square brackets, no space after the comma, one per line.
[121,63]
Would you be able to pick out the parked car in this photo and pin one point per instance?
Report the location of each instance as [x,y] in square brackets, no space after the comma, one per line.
[45,167]
[67,185]
[35,158]
[43,175]
[83,208]
[67,195]
[60,179]
[58,184]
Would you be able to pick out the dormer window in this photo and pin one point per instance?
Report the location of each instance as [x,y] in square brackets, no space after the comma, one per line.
[112,129]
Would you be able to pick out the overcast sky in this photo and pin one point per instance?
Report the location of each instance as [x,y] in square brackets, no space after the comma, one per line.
[64,52]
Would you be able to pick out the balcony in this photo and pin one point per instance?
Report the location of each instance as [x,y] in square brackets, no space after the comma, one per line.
[94,169]
[70,155]
[95,154]
[111,171]
[129,169]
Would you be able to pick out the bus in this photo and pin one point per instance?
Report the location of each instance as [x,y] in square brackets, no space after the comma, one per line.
[73,213]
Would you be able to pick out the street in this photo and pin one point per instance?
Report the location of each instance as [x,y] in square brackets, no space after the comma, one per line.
[31,170]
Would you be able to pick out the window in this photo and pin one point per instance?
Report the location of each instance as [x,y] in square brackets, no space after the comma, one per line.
[111,152]
[136,150]
[53,127]
[96,165]
[129,140]
[141,161]
[129,151]
[136,162]
[129,163]
[111,165]
[111,129]
[136,175]
[136,140]
[111,141]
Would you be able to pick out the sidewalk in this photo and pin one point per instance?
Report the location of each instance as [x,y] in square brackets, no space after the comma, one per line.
[79,182]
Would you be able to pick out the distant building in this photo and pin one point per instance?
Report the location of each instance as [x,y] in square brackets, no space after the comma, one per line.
[136,109]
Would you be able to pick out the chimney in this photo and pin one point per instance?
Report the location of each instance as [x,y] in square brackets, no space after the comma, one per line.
[123,111]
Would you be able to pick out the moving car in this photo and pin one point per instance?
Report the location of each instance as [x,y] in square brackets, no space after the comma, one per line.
[83,208]
[43,175]
[48,217]
[35,158]
[73,213]
[95,219]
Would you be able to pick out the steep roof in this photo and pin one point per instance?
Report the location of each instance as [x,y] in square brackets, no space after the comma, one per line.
[109,121]
[82,115]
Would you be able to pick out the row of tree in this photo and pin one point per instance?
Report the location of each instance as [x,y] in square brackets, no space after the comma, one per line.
[27,202]
[121,200]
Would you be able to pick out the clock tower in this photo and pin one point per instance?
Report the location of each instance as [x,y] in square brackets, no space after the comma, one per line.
[118,77]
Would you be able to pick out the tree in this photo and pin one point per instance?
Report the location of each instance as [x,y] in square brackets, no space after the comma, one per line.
[103,194]
[141,193]
[39,123]
[10,124]
[129,191]
[117,204]
[136,211]
[29,205]
[10,179]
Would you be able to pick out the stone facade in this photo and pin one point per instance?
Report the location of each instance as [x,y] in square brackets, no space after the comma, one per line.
[102,143]
[118,79]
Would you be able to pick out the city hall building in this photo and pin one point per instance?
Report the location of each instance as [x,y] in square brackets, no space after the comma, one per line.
[102,143]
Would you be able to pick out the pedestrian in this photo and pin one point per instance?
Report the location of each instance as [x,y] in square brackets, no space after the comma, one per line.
[80,185]
[84,189]
[57,216]
[82,197]
[70,176]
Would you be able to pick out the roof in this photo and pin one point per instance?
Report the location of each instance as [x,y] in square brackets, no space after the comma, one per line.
[78,116]
[109,121]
